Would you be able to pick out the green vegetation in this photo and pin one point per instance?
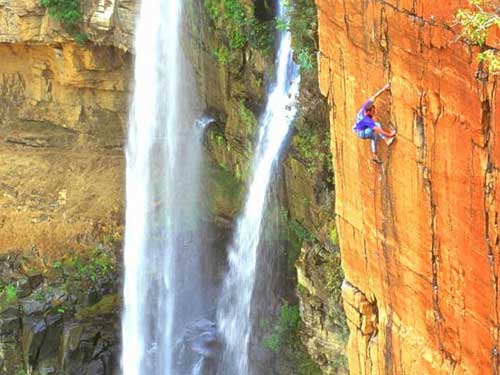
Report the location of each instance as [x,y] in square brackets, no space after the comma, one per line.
[313,145]
[297,234]
[68,12]
[224,190]
[303,25]
[222,55]
[284,340]
[10,292]
[306,366]
[100,263]
[91,267]
[334,236]
[340,363]
[247,116]
[81,38]
[286,329]
[302,289]
[239,28]
[477,23]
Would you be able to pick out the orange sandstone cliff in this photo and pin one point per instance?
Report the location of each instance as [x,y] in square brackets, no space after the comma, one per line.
[419,234]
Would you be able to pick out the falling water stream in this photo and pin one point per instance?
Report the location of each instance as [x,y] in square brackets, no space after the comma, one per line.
[163,326]
[234,308]
[163,285]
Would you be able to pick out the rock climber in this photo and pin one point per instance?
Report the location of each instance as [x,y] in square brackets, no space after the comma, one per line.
[367,128]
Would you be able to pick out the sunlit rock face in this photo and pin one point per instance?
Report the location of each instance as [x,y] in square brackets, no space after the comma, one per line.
[105,22]
[62,113]
[418,234]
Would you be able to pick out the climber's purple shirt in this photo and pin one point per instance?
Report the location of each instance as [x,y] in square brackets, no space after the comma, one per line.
[362,121]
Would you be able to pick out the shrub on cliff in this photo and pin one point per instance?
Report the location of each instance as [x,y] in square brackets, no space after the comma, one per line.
[239,27]
[478,23]
[303,24]
[68,12]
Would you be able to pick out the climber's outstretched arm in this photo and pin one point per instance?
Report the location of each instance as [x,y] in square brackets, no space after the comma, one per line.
[380,92]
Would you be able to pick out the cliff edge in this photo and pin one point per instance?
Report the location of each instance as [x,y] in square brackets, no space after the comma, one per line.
[419,234]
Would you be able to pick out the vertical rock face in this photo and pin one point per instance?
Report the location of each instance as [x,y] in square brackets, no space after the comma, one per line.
[419,233]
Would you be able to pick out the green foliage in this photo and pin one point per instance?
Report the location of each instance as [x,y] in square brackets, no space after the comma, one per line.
[286,329]
[284,340]
[303,25]
[222,55]
[11,293]
[305,59]
[491,59]
[98,264]
[8,293]
[298,234]
[312,142]
[302,289]
[81,38]
[281,24]
[247,116]
[239,28]
[306,366]
[334,236]
[476,25]
[68,12]
[339,362]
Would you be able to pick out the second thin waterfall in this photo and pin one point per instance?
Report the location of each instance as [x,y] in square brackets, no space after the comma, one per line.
[234,308]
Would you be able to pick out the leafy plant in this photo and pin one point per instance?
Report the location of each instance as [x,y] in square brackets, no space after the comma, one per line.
[305,59]
[68,12]
[286,329]
[222,55]
[98,264]
[303,25]
[11,292]
[302,289]
[334,236]
[238,26]
[247,116]
[477,24]
[81,38]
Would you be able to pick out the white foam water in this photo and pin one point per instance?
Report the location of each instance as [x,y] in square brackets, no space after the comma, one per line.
[162,283]
[234,307]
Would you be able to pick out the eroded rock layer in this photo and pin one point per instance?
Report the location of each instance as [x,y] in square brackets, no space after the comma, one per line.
[62,110]
[419,233]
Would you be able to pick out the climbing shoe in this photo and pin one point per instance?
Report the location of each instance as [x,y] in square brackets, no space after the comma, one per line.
[376,159]
[390,140]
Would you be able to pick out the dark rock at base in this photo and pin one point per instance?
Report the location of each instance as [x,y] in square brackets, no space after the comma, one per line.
[34,331]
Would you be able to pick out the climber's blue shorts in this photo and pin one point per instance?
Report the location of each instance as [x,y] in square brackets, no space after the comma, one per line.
[365,133]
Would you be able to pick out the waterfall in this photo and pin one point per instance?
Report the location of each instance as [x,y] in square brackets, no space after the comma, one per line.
[161,248]
[234,307]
